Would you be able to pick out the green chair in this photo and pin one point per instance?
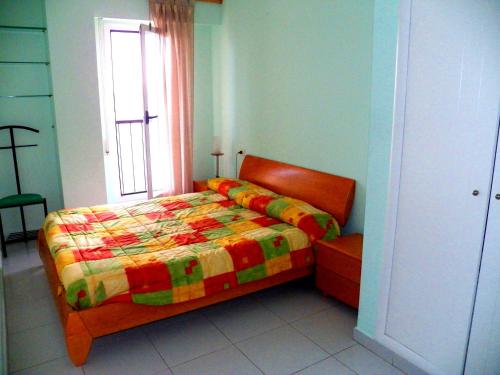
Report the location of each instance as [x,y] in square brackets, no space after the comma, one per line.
[18,200]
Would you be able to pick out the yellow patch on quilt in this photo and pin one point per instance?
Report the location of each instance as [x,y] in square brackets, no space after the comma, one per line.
[63,259]
[228,241]
[71,273]
[142,259]
[244,226]
[297,239]
[259,233]
[120,224]
[115,282]
[292,215]
[188,292]
[167,242]
[215,262]
[278,264]
[91,241]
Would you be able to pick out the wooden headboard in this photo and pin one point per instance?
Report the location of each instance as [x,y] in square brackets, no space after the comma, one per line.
[333,194]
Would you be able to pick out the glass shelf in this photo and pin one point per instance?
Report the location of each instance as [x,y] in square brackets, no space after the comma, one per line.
[25,62]
[26,96]
[26,28]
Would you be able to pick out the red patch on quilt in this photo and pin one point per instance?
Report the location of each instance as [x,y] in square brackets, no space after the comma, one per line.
[97,253]
[122,240]
[219,283]
[105,216]
[73,228]
[90,218]
[162,215]
[205,224]
[226,185]
[260,203]
[309,225]
[149,277]
[245,254]
[302,258]
[227,203]
[189,269]
[189,238]
[124,298]
[265,221]
[176,205]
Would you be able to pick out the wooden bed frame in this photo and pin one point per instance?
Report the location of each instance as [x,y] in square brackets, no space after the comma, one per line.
[331,193]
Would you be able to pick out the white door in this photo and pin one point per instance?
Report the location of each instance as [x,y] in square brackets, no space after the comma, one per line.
[448,149]
[136,145]
[483,356]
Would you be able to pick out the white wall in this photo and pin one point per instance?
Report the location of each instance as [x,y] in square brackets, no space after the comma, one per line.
[72,47]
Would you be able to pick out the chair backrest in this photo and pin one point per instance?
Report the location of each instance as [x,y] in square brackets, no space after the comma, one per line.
[13,147]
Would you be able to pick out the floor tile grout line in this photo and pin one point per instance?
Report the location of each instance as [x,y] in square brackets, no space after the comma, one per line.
[312,364]
[282,324]
[28,329]
[345,364]
[184,362]
[155,348]
[37,365]
[235,346]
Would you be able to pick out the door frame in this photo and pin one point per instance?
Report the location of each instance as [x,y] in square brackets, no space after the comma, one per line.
[106,104]
[396,349]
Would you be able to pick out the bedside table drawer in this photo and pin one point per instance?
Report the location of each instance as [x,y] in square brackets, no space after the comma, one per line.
[338,267]
[339,263]
[337,286]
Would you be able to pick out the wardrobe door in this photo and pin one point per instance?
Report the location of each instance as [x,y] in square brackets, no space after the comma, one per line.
[483,356]
[447,159]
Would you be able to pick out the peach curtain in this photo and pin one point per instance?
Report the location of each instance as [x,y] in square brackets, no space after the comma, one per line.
[174,22]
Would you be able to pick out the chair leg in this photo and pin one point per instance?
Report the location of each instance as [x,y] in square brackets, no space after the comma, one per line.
[2,239]
[23,221]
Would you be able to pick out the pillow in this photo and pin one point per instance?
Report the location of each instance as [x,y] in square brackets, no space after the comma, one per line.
[317,224]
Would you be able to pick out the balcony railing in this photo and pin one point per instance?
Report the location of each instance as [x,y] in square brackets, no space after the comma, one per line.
[131,156]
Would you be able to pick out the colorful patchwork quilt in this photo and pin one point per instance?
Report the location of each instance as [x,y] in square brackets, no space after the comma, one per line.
[173,249]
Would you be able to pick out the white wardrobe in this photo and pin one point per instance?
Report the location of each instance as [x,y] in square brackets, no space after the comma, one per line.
[441,296]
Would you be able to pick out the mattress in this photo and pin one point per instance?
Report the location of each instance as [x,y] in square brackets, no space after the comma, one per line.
[174,249]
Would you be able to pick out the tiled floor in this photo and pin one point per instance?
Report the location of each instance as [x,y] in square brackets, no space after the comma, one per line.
[289,329]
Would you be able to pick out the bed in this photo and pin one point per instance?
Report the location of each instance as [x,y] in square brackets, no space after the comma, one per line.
[171,255]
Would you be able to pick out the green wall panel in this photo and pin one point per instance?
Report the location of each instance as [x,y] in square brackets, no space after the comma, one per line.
[24,79]
[22,46]
[22,13]
[38,166]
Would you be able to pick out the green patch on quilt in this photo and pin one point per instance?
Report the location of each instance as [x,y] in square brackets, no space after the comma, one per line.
[233,191]
[163,297]
[100,293]
[103,265]
[213,234]
[185,271]
[322,220]
[274,246]
[251,274]
[224,219]
[203,247]
[281,227]
[77,294]
[276,207]
[135,249]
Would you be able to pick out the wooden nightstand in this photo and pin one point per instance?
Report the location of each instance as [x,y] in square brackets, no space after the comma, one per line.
[201,185]
[338,267]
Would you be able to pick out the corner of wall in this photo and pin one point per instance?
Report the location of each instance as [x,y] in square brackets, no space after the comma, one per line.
[385,32]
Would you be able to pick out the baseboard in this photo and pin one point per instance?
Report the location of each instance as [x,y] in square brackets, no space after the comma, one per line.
[389,355]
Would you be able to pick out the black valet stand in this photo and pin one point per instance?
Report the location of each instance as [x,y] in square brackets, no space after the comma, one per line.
[18,200]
